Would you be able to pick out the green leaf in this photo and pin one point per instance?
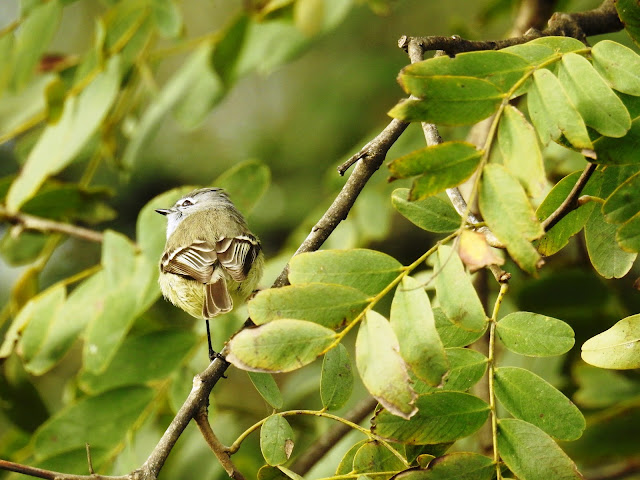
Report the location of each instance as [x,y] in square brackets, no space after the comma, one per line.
[346,463]
[535,335]
[549,409]
[225,55]
[558,236]
[617,64]
[167,17]
[617,348]
[432,214]
[509,215]
[32,40]
[466,368]
[451,334]
[413,323]
[381,367]
[331,306]
[533,53]
[279,346]
[173,92]
[629,13]
[456,295]
[442,417]
[61,142]
[35,319]
[619,151]
[531,454]
[624,202]
[450,101]
[552,112]
[267,472]
[503,69]
[245,183]
[454,466]
[276,440]
[82,306]
[336,380]
[560,44]
[367,270]
[440,167]
[599,106]
[609,260]
[142,359]
[19,108]
[267,388]
[374,457]
[628,236]
[520,151]
[102,421]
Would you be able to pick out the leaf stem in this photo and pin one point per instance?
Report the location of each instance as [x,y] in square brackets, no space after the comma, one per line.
[235,446]
[491,371]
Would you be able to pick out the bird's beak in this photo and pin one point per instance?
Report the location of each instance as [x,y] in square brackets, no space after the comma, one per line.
[163,211]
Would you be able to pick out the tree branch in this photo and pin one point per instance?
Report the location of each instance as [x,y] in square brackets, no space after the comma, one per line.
[30,222]
[571,202]
[580,25]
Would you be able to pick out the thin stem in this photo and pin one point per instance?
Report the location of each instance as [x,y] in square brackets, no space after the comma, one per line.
[571,202]
[30,222]
[221,453]
[491,372]
[317,413]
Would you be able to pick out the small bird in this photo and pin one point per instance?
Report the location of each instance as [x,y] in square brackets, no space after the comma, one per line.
[211,260]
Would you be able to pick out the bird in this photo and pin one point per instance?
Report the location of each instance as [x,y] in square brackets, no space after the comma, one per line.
[211,260]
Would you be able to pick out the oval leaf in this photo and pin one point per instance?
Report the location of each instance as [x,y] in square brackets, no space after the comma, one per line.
[336,379]
[531,454]
[466,368]
[442,417]
[508,213]
[618,347]
[276,440]
[456,295]
[619,65]
[279,346]
[432,214]
[367,270]
[599,106]
[442,166]
[451,334]
[267,388]
[413,323]
[624,202]
[535,335]
[328,305]
[548,409]
[374,457]
[381,367]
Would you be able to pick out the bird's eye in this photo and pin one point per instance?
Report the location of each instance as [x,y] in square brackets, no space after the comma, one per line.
[186,203]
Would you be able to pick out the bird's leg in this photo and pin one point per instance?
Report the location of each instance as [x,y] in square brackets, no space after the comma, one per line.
[213,354]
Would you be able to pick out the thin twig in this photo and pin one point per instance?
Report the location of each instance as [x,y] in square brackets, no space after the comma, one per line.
[329,440]
[571,202]
[30,222]
[218,449]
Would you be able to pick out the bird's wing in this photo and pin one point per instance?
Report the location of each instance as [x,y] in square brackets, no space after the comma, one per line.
[196,260]
[216,298]
[237,254]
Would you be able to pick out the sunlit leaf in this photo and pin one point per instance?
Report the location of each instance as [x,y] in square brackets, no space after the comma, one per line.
[619,65]
[624,202]
[413,323]
[599,106]
[326,304]
[382,369]
[453,335]
[475,252]
[456,295]
[466,368]
[509,215]
[367,270]
[454,466]
[617,348]
[279,346]
[374,457]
